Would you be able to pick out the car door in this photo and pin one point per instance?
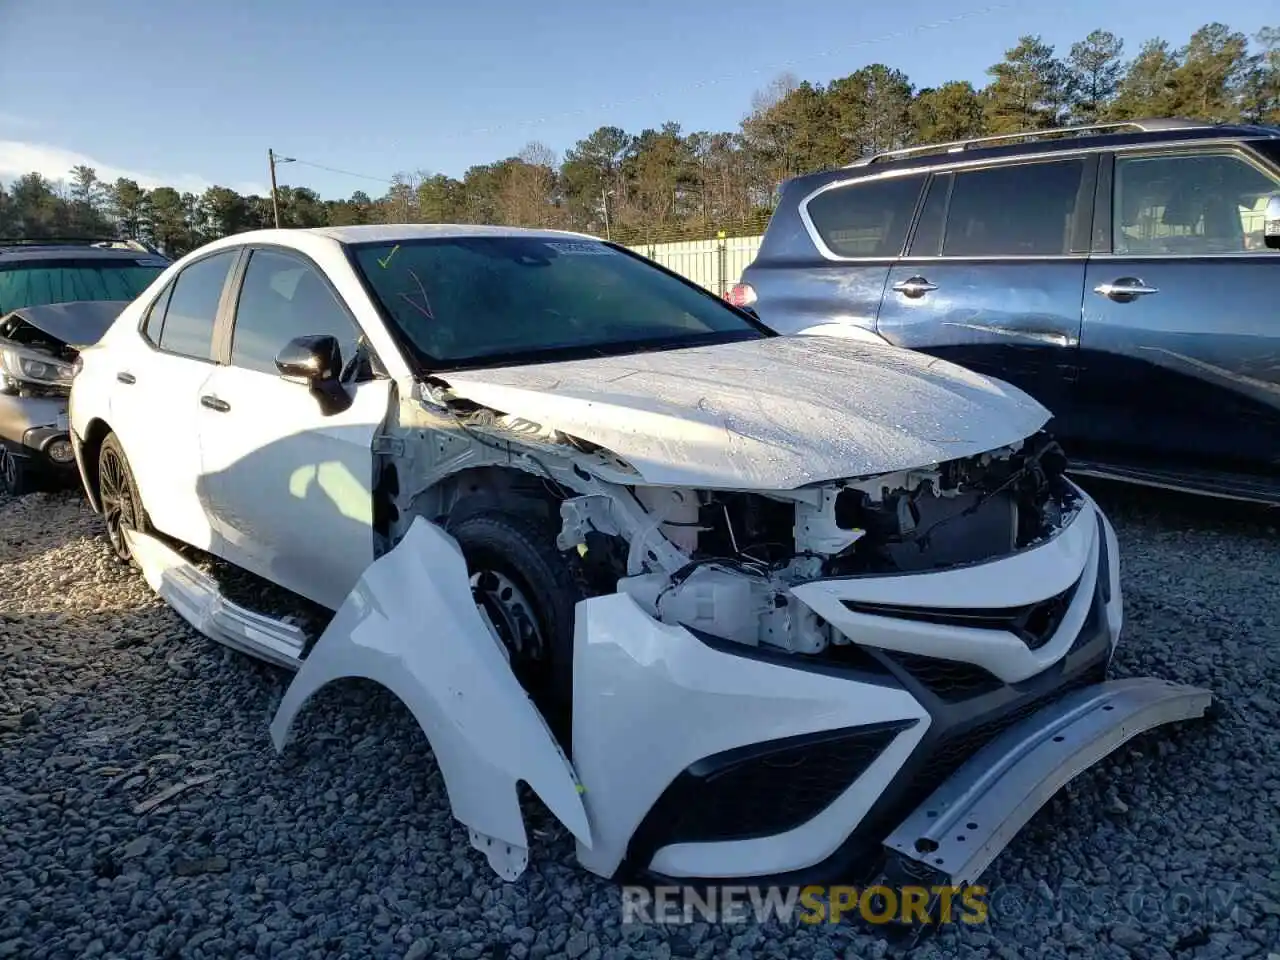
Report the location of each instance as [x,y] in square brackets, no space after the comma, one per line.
[993,275]
[155,407]
[289,488]
[827,273]
[1181,336]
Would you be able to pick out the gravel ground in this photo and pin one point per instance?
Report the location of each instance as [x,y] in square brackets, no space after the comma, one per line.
[344,845]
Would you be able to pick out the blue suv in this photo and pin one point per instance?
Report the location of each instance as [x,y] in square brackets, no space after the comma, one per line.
[1126,275]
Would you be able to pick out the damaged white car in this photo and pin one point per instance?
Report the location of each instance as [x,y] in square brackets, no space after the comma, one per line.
[734,605]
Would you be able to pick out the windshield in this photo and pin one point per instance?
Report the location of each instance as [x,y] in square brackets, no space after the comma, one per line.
[470,301]
[34,283]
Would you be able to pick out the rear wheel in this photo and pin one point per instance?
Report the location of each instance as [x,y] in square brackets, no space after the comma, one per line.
[15,476]
[118,494]
[527,588]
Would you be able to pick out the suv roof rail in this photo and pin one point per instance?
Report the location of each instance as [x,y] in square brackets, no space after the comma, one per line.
[959,146]
[100,242]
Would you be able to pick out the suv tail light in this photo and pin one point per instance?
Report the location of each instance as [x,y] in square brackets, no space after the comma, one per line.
[741,295]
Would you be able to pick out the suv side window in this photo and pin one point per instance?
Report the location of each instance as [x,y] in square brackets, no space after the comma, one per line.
[1023,210]
[192,308]
[867,219]
[284,297]
[1189,205]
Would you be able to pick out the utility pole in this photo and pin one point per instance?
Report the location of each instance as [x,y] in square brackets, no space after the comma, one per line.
[604,203]
[272,159]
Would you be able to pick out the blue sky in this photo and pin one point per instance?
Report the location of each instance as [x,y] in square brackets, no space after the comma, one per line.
[193,93]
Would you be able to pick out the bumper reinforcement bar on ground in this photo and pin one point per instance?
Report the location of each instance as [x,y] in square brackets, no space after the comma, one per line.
[976,812]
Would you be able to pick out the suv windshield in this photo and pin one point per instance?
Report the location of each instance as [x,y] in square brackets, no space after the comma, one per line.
[470,301]
[34,283]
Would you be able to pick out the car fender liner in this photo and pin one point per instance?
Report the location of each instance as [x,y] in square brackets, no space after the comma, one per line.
[411,625]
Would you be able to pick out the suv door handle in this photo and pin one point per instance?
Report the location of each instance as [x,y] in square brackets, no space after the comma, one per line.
[213,403]
[124,376]
[1125,289]
[914,286]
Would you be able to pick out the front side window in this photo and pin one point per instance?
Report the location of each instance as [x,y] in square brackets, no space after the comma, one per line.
[469,301]
[193,307]
[282,298]
[35,283]
[1189,205]
[1024,210]
[867,219]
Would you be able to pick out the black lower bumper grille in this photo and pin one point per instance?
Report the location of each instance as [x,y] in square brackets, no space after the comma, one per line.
[763,789]
[953,681]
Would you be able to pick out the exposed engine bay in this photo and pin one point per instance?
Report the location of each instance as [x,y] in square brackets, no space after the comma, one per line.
[747,549]
[723,562]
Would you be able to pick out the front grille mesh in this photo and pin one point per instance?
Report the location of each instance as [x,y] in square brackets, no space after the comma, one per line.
[952,681]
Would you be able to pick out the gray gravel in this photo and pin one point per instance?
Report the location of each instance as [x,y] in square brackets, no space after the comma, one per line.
[345,846]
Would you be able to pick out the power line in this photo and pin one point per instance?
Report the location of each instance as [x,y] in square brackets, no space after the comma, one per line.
[345,173]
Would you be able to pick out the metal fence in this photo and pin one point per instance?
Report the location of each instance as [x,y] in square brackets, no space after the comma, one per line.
[715,264]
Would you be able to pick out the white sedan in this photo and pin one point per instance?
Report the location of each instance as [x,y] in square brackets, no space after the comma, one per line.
[735,605]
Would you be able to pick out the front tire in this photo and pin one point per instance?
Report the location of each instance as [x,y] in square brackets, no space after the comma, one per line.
[118,493]
[528,588]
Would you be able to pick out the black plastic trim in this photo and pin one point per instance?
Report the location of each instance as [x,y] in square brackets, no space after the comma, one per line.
[757,790]
[1015,620]
[1102,204]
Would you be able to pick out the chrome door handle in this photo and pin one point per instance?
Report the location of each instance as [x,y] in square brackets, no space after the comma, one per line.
[914,286]
[213,403]
[125,376]
[1125,289]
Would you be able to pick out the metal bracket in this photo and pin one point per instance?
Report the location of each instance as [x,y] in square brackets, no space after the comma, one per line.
[507,860]
[393,446]
[582,515]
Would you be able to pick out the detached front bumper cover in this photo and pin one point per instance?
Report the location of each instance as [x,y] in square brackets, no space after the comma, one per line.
[972,817]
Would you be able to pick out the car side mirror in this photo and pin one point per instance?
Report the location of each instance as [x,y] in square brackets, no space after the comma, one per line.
[1271,223]
[317,362]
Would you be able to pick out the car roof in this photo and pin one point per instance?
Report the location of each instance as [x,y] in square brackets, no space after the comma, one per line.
[24,253]
[392,232]
[1064,140]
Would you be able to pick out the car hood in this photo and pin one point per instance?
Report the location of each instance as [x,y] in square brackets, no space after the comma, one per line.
[776,413]
[78,323]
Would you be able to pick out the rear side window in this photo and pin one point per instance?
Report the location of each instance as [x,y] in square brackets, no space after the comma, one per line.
[283,298]
[866,219]
[1026,210]
[154,323]
[193,307]
[1189,205]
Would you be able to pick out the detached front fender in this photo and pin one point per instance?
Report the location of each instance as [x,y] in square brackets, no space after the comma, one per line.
[412,626]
